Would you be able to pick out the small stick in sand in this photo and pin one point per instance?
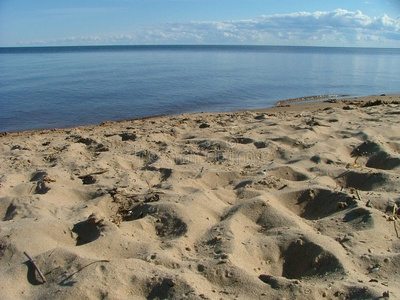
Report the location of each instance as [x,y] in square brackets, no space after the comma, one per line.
[358,195]
[76,272]
[36,267]
[395,229]
[150,190]
[199,175]
[394,219]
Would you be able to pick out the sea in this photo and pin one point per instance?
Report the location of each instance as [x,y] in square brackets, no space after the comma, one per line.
[61,87]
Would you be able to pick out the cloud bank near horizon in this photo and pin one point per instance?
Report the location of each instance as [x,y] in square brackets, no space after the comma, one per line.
[334,28]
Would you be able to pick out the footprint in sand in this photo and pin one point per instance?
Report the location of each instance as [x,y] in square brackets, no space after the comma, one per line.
[88,230]
[168,223]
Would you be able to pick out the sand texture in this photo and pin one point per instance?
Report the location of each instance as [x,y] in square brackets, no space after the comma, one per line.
[294,202]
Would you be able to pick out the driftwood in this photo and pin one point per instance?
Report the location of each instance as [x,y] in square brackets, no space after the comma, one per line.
[36,267]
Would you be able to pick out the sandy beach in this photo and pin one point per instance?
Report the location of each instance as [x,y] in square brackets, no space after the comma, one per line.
[298,201]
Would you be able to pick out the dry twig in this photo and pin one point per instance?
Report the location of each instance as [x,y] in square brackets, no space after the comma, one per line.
[394,219]
[358,195]
[36,267]
[199,175]
[89,264]
[395,229]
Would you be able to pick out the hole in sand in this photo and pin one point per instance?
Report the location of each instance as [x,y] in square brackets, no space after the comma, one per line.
[148,157]
[41,187]
[359,218]
[39,176]
[91,144]
[361,181]
[243,184]
[11,212]
[165,173]
[313,204]
[167,223]
[86,231]
[242,140]
[170,226]
[86,141]
[383,161]
[260,144]
[307,259]
[162,289]
[261,213]
[137,212]
[288,173]
[88,179]
[366,149]
[169,288]
[128,136]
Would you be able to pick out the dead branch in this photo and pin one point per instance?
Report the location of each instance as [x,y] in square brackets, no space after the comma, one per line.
[36,267]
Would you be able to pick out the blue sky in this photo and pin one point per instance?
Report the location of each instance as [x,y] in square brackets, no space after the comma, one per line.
[374,23]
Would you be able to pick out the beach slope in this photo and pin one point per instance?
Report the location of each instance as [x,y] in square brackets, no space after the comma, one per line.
[299,201]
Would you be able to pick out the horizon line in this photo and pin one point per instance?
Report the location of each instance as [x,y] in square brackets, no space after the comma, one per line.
[193,45]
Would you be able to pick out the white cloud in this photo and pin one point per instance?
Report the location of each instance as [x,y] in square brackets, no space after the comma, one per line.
[346,27]
[302,28]
[335,28]
[67,41]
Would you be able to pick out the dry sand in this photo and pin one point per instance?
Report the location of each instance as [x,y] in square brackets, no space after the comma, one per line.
[293,202]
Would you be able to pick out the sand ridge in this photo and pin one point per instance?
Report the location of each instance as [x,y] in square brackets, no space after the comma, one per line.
[293,202]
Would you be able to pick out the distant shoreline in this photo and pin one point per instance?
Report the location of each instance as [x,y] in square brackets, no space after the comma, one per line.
[83,48]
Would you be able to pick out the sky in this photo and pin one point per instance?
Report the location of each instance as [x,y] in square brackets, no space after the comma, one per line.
[347,23]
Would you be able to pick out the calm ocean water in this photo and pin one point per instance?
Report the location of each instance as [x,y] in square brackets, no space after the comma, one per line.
[68,86]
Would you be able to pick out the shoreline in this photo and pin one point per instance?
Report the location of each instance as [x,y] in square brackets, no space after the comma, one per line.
[310,103]
[309,98]
[333,101]
[299,201]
